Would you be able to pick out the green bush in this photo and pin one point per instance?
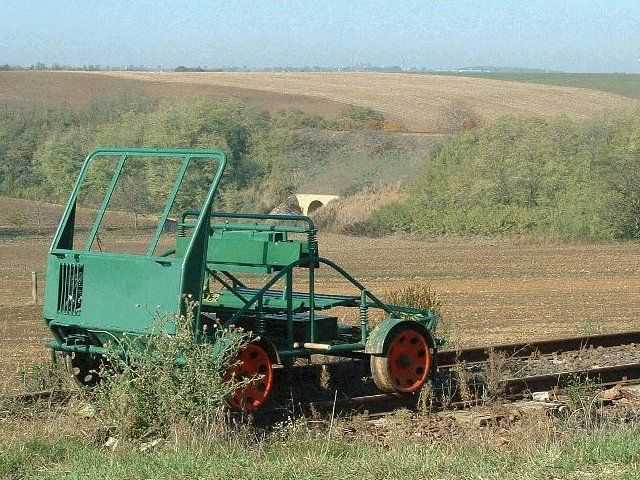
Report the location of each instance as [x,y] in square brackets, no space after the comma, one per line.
[556,179]
[168,380]
[391,218]
[358,118]
[42,149]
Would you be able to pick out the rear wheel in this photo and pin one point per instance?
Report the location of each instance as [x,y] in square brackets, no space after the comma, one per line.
[254,365]
[405,368]
[84,368]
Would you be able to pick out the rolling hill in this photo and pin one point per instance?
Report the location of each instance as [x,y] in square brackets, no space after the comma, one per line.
[416,101]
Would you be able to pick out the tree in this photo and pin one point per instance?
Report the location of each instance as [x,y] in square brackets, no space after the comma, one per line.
[238,139]
[623,178]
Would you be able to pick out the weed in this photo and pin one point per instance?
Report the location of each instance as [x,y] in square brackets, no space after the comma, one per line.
[592,327]
[44,376]
[494,376]
[168,382]
[325,378]
[416,295]
[463,378]
[584,406]
[450,333]
[425,399]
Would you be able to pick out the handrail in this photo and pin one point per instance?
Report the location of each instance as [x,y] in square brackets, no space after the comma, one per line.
[137,152]
[256,216]
[356,283]
[267,216]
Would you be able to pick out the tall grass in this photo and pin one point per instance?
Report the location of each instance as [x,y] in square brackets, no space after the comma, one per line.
[350,214]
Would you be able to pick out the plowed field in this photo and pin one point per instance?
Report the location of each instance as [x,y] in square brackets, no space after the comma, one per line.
[416,101]
[493,291]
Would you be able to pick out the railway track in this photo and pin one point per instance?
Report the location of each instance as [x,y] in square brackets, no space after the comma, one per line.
[447,391]
[542,347]
[346,385]
[512,389]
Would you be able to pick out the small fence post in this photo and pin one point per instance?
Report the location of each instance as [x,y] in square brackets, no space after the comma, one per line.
[34,288]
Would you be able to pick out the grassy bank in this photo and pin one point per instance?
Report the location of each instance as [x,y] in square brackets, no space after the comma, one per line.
[597,454]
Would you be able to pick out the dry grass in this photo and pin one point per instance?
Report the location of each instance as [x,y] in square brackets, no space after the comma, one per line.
[415,295]
[344,214]
[415,101]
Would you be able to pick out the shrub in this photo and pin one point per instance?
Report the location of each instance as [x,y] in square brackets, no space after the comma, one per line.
[415,295]
[168,380]
[456,117]
[359,118]
[554,179]
[351,214]
[390,218]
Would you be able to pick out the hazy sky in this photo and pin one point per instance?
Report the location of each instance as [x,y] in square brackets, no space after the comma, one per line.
[574,35]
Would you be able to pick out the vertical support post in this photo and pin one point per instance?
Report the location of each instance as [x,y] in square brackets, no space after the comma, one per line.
[153,243]
[364,317]
[260,321]
[312,304]
[313,256]
[34,287]
[289,296]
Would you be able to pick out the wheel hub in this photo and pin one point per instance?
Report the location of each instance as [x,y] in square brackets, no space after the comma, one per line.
[409,360]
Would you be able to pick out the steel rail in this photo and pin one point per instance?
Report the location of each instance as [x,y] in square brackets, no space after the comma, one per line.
[447,358]
[542,347]
[600,376]
[512,389]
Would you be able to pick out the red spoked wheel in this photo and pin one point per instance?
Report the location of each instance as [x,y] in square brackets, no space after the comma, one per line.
[254,363]
[405,368]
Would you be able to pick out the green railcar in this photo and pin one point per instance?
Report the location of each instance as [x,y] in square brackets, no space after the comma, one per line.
[99,290]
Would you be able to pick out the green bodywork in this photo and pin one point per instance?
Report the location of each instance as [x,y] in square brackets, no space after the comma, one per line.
[94,297]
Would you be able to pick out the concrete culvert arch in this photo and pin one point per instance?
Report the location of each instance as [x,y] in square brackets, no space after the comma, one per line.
[313,206]
[310,202]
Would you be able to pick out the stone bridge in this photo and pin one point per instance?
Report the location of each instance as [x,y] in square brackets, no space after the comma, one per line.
[310,202]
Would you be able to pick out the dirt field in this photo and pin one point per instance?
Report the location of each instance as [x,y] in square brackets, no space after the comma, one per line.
[493,291]
[416,101]
[79,89]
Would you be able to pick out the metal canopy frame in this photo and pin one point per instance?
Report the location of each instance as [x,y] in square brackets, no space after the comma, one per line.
[61,241]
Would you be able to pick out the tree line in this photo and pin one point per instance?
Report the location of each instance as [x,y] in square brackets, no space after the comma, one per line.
[42,148]
[559,178]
